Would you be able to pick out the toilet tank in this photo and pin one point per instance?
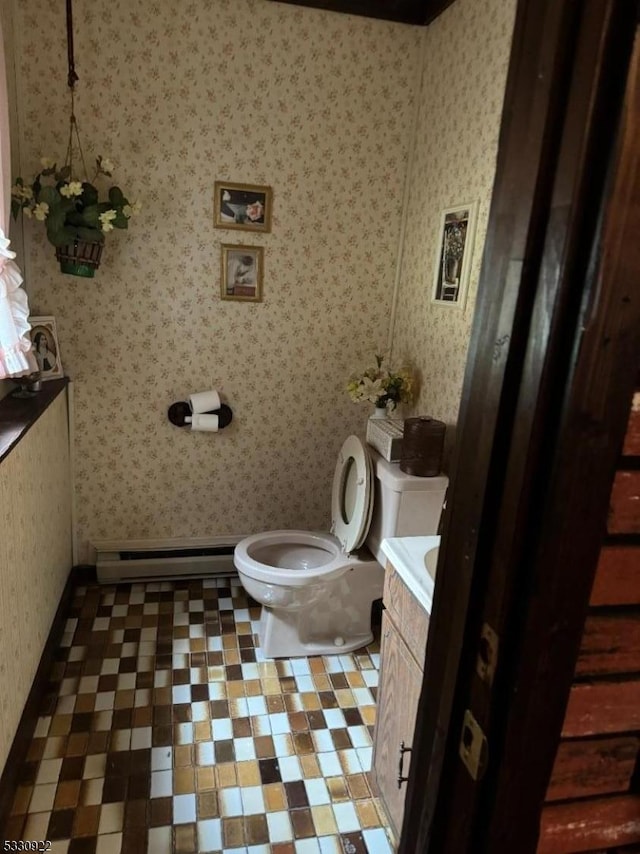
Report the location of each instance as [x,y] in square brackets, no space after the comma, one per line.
[404,505]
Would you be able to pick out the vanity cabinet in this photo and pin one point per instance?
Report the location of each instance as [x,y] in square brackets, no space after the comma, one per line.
[405,624]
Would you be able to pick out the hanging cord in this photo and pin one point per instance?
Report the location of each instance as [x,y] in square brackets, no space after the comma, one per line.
[72,79]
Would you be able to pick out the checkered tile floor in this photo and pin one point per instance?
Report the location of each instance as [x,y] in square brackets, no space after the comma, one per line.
[166,730]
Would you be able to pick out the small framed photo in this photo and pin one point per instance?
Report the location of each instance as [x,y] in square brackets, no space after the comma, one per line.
[44,338]
[243,206]
[456,232]
[242,269]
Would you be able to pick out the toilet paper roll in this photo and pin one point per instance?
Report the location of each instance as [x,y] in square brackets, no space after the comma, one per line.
[204,401]
[206,423]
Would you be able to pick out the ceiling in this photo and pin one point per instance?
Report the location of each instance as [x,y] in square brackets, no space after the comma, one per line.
[407,11]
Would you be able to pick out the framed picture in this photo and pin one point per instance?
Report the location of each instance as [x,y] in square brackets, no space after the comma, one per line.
[456,231]
[46,349]
[242,268]
[243,206]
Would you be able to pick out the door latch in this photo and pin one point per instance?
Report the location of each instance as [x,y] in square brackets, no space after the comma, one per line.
[474,747]
[403,750]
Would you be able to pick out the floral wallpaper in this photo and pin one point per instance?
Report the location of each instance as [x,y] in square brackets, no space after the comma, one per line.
[317,105]
[35,556]
[466,56]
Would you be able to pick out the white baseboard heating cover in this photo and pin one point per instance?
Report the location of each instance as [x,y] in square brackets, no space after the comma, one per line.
[147,560]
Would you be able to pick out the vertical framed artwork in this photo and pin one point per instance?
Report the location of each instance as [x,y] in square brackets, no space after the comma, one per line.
[44,338]
[243,206]
[456,233]
[242,273]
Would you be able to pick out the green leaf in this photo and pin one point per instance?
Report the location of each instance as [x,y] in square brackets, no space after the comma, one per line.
[91,216]
[90,235]
[36,187]
[89,194]
[16,207]
[116,197]
[61,175]
[120,221]
[50,171]
[51,196]
[61,236]
[55,220]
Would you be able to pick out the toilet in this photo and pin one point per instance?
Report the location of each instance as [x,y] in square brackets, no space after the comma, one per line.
[316,589]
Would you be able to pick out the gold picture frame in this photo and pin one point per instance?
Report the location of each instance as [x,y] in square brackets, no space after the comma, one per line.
[246,207]
[242,273]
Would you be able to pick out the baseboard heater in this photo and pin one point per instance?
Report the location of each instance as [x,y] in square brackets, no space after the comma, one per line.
[127,564]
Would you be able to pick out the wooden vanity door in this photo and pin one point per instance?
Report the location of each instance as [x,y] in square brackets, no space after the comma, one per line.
[398,695]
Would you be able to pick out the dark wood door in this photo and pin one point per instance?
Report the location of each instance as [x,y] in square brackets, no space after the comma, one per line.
[551,370]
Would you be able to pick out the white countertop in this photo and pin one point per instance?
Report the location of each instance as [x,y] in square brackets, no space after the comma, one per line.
[407,556]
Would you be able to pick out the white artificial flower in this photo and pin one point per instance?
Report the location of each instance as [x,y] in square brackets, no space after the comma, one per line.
[105,220]
[226,196]
[40,211]
[106,165]
[73,188]
[27,212]
[131,210]
[47,162]
[372,389]
[20,191]
[127,210]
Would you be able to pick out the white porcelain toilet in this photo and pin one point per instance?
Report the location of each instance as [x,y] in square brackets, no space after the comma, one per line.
[316,589]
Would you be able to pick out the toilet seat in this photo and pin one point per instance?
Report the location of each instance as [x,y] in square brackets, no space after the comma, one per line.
[352,495]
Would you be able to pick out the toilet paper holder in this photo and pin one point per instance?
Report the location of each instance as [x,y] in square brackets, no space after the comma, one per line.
[180,414]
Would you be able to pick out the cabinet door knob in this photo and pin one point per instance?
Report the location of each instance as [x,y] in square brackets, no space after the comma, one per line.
[403,750]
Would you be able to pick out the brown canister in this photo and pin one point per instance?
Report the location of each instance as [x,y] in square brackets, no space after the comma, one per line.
[422,446]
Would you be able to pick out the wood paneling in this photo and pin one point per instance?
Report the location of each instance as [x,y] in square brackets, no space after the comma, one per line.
[593,767]
[588,825]
[602,707]
[400,684]
[624,513]
[407,613]
[617,579]
[631,446]
[610,644]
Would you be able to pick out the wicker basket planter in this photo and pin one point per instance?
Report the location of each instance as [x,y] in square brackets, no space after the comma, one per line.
[79,258]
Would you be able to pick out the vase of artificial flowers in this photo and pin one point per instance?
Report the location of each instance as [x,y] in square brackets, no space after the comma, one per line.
[383,386]
[77,215]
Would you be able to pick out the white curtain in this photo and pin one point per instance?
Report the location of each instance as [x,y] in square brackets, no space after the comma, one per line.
[16,357]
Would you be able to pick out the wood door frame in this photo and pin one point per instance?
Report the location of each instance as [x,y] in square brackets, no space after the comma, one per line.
[551,370]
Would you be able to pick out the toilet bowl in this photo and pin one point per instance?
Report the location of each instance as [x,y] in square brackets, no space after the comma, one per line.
[316,589]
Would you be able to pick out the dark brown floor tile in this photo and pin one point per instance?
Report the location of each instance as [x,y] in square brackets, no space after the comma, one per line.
[219,708]
[283,848]
[241,727]
[338,680]
[232,832]
[142,716]
[352,717]
[72,768]
[134,840]
[296,794]
[328,700]
[139,786]
[13,827]
[83,846]
[341,739]
[162,736]
[121,719]
[353,843]
[85,820]
[316,719]
[199,693]
[275,704]
[303,743]
[182,713]
[67,794]
[135,813]
[225,752]
[302,823]
[115,790]
[256,830]
[185,839]
[269,771]
[160,812]
[98,742]
[60,824]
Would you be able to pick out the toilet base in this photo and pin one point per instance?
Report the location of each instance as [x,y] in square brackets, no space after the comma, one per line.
[279,636]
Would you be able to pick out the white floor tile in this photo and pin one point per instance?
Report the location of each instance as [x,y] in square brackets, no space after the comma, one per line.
[376,841]
[230,801]
[252,800]
[161,784]
[279,827]
[346,817]
[290,769]
[184,808]
[210,834]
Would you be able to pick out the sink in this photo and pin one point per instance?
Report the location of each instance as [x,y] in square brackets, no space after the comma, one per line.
[431,561]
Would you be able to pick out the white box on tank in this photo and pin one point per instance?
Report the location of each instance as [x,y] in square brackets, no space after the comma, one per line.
[404,505]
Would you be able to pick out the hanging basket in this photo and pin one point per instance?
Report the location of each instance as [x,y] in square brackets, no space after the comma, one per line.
[79,258]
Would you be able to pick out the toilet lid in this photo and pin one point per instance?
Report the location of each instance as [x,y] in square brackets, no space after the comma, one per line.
[352,497]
